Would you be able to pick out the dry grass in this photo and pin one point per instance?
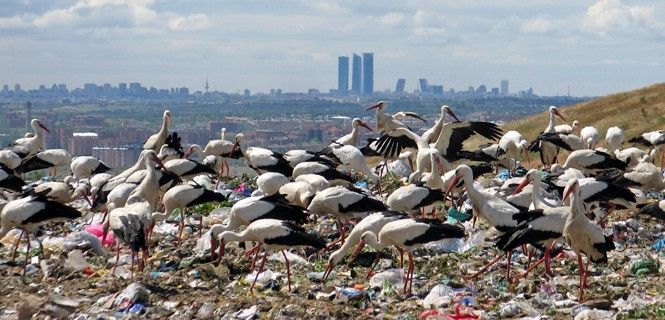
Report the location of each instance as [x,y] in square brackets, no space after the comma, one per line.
[634,111]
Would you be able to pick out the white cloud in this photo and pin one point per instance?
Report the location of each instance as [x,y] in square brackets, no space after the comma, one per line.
[14,22]
[427,19]
[610,16]
[427,32]
[393,19]
[539,25]
[190,23]
[328,7]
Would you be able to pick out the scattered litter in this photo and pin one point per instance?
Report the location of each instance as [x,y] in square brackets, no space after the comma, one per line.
[244,314]
[645,267]
[76,261]
[349,294]
[441,295]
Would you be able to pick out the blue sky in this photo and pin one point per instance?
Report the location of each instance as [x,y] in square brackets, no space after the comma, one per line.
[593,47]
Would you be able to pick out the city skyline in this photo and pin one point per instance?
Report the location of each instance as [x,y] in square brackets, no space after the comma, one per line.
[591,47]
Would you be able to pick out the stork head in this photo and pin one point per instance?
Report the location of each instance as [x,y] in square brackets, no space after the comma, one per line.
[576,127]
[379,106]
[524,146]
[555,111]
[446,110]
[437,162]
[36,124]
[153,160]
[167,116]
[334,259]
[530,176]
[357,122]
[572,187]
[240,138]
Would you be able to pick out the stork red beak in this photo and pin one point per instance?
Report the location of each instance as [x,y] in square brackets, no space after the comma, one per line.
[451,186]
[521,186]
[566,193]
[189,152]
[375,106]
[43,127]
[326,273]
[450,113]
[158,161]
[526,156]
[364,125]
[559,115]
[439,165]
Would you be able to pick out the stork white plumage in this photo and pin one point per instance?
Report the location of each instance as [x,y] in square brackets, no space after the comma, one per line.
[384,121]
[343,203]
[533,177]
[373,223]
[317,182]
[49,159]
[584,236]
[631,156]
[644,176]
[129,224]
[512,144]
[548,151]
[614,138]
[350,157]
[272,235]
[184,196]
[60,192]
[654,140]
[262,160]
[155,141]
[408,235]
[414,196]
[10,159]
[187,169]
[298,193]
[565,141]
[220,147]
[590,137]
[31,212]
[86,166]
[269,183]
[592,161]
[497,212]
[330,174]
[251,209]
[28,146]
[352,137]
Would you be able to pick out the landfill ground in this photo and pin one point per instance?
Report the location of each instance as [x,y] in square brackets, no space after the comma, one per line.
[181,281]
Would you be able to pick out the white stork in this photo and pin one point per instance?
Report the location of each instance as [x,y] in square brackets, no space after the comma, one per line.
[654,140]
[9,181]
[352,137]
[185,196]
[60,192]
[260,159]
[9,159]
[334,176]
[548,151]
[269,183]
[220,147]
[350,157]
[49,159]
[251,209]
[565,141]
[614,138]
[644,176]
[592,161]
[298,193]
[590,137]
[129,224]
[86,166]
[374,222]
[344,203]
[410,234]
[512,144]
[317,182]
[272,235]
[583,236]
[155,141]
[28,146]
[188,169]
[31,212]
[414,196]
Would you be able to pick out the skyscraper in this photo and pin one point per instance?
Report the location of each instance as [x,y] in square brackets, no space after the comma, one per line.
[368,73]
[343,76]
[399,88]
[356,74]
[504,88]
[424,87]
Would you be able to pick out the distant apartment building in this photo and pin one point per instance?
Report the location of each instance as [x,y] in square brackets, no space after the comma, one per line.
[399,87]
[82,143]
[504,88]
[343,76]
[368,73]
[117,157]
[356,75]
[424,87]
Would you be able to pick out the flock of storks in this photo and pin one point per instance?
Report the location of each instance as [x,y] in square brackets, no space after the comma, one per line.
[537,214]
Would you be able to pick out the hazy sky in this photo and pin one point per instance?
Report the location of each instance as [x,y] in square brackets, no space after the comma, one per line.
[595,47]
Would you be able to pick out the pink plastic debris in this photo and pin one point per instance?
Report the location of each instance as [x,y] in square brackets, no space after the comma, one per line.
[96,230]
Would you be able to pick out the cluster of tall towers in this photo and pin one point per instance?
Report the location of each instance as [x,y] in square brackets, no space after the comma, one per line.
[362,75]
